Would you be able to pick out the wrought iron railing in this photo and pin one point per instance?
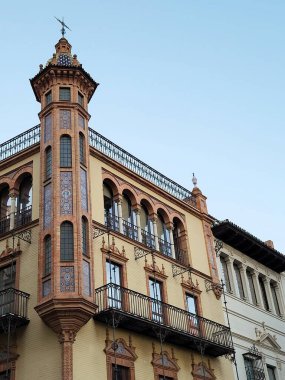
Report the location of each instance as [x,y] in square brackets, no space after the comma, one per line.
[111,221]
[23,216]
[156,312]
[118,154]
[17,144]
[164,247]
[255,374]
[4,224]
[181,256]
[148,239]
[130,230]
[13,302]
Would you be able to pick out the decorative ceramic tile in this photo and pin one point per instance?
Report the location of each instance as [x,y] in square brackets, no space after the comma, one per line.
[66,193]
[65,119]
[48,128]
[46,288]
[67,282]
[83,188]
[47,205]
[81,121]
[86,278]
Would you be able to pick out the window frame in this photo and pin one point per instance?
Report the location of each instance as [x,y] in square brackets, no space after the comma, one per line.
[65,153]
[68,242]
[48,97]
[62,91]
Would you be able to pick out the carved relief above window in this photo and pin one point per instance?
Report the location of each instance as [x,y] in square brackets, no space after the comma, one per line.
[202,371]
[164,365]
[120,358]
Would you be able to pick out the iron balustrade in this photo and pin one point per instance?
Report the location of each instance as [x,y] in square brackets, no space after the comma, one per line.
[255,374]
[140,312]
[5,224]
[118,154]
[164,247]
[148,239]
[111,221]
[181,256]
[130,230]
[14,302]
[17,144]
[24,216]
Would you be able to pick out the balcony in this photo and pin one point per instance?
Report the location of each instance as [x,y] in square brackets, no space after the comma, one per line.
[145,315]
[130,230]
[13,309]
[148,239]
[4,225]
[23,216]
[164,247]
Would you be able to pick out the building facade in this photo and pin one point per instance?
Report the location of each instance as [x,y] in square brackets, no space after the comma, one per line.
[253,274]
[107,267]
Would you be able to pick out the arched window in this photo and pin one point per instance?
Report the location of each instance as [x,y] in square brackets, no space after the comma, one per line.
[129,218]
[48,163]
[4,200]
[24,202]
[84,224]
[82,148]
[110,208]
[163,235]
[146,227]
[66,242]
[47,255]
[179,241]
[65,152]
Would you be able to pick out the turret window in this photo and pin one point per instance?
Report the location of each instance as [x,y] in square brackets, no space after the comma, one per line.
[80,99]
[82,148]
[48,98]
[47,259]
[66,242]
[48,162]
[64,93]
[65,152]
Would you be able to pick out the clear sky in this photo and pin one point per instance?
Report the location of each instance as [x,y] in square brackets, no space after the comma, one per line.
[185,85]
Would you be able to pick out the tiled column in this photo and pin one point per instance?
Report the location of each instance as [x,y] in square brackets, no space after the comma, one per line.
[138,219]
[266,281]
[245,283]
[230,265]
[257,289]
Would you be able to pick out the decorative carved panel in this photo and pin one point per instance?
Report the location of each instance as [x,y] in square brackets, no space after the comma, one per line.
[47,205]
[66,193]
[67,280]
[65,119]
[48,128]
[83,188]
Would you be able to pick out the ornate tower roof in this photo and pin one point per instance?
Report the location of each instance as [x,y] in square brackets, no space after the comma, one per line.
[62,55]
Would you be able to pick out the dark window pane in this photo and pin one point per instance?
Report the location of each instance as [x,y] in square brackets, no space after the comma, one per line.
[64,93]
[65,152]
[48,98]
[82,148]
[263,293]
[239,280]
[84,237]
[47,248]
[7,277]
[80,99]
[48,162]
[5,375]
[120,373]
[271,372]
[66,241]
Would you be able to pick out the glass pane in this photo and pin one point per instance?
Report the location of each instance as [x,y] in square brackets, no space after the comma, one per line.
[155,288]
[113,274]
[64,93]
[271,373]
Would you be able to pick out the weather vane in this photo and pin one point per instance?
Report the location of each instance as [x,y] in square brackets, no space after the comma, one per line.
[63,26]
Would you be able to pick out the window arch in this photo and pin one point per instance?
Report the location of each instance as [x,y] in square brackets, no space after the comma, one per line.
[48,162]
[146,226]
[66,242]
[82,148]
[65,151]
[163,235]
[110,208]
[84,225]
[47,255]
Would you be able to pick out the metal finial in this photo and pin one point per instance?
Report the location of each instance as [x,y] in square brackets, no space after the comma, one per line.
[194,180]
[63,26]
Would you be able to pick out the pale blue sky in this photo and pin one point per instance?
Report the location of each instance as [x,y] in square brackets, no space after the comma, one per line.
[185,85]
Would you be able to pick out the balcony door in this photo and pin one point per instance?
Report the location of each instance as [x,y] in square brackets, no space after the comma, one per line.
[7,280]
[120,372]
[155,288]
[113,275]
[191,304]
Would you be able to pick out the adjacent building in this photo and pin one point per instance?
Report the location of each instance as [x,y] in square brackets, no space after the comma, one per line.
[253,274]
[107,267]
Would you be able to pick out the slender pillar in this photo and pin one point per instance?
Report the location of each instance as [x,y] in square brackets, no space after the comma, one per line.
[120,215]
[230,265]
[245,283]
[170,230]
[266,281]
[66,338]
[257,288]
[138,219]
[154,221]
[13,197]
[279,300]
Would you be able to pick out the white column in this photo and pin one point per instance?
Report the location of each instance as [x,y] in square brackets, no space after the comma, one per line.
[245,283]
[13,198]
[155,233]
[266,281]
[170,229]
[230,265]
[138,219]
[120,215]
[279,299]
[257,289]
